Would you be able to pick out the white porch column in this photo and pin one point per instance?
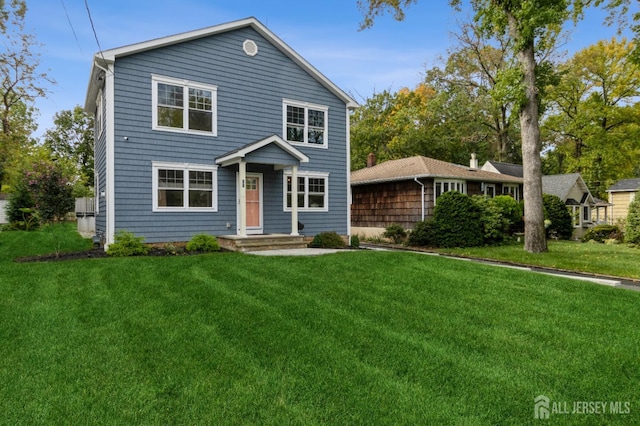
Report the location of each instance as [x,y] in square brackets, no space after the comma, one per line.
[242,207]
[294,201]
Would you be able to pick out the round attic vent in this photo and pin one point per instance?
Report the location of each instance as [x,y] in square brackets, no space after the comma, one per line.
[250,47]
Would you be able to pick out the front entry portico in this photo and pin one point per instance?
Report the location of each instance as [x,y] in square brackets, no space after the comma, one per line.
[273,151]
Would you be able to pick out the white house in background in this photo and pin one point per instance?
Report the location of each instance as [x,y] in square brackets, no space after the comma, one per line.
[586,210]
[572,189]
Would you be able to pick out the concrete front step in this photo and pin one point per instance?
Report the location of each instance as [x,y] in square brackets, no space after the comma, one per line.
[261,242]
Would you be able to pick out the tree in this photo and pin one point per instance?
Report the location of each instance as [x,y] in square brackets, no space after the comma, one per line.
[21,82]
[529,25]
[50,190]
[72,139]
[469,79]
[593,124]
[632,226]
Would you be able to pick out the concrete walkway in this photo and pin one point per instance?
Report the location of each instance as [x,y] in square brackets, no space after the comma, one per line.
[607,281]
[297,252]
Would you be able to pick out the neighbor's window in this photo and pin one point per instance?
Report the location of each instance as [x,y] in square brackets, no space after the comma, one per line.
[184,106]
[312,191]
[490,190]
[441,186]
[184,187]
[305,123]
[513,190]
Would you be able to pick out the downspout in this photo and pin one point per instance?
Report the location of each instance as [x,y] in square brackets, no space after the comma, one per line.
[422,185]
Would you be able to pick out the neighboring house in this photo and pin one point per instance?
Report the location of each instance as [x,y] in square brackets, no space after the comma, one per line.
[205,131]
[405,191]
[561,186]
[621,194]
[503,168]
[573,191]
[4,200]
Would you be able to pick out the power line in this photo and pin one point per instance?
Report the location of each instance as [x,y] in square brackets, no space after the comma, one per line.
[86,4]
[71,25]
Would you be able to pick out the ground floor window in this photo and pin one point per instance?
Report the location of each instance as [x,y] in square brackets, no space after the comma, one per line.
[313,191]
[512,190]
[490,190]
[184,187]
[441,186]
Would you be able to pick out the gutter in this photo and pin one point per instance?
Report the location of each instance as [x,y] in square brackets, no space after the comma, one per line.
[422,185]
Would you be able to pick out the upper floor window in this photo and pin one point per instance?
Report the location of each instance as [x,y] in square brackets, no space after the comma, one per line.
[99,124]
[184,106]
[305,123]
[445,185]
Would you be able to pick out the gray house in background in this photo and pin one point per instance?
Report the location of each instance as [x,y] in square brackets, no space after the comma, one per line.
[224,131]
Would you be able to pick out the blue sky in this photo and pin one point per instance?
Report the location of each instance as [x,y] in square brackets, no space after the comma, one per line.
[390,55]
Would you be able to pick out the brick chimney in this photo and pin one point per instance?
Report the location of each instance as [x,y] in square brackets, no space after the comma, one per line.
[371,159]
[473,163]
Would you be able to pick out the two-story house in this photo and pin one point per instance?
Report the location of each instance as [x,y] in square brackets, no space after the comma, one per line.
[224,130]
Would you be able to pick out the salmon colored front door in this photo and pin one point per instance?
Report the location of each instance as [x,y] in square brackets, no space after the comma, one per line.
[253,202]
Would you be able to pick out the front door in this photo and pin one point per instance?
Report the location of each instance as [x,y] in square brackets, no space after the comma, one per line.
[254,203]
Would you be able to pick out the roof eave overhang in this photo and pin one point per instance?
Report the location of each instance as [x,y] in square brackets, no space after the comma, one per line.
[430,176]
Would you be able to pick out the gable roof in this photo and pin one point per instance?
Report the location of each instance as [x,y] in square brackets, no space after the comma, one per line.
[561,185]
[102,59]
[625,185]
[506,168]
[421,167]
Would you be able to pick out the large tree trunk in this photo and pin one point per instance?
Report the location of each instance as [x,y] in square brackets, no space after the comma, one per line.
[535,240]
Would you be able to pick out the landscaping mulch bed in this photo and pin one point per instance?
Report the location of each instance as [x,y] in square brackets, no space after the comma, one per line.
[97,253]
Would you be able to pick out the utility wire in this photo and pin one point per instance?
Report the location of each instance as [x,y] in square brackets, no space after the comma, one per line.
[71,25]
[86,4]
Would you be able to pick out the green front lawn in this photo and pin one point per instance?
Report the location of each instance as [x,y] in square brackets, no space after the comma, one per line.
[349,338]
[615,260]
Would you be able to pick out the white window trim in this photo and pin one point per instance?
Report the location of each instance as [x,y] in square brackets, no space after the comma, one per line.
[186,167]
[449,181]
[306,175]
[186,85]
[490,185]
[99,117]
[96,192]
[306,106]
[515,187]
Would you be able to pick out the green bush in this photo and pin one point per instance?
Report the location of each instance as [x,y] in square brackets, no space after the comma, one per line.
[327,240]
[632,227]
[456,219]
[20,210]
[561,223]
[396,232]
[355,241]
[423,234]
[126,244]
[499,217]
[203,243]
[600,233]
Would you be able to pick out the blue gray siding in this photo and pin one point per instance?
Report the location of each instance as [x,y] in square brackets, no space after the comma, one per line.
[250,94]
[100,167]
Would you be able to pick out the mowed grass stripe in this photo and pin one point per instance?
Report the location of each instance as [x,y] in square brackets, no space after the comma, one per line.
[350,338]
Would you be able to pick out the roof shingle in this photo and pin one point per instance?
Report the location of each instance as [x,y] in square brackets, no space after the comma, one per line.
[420,167]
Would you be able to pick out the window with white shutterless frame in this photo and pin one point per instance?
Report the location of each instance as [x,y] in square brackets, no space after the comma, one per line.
[313,191]
[183,187]
[184,106]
